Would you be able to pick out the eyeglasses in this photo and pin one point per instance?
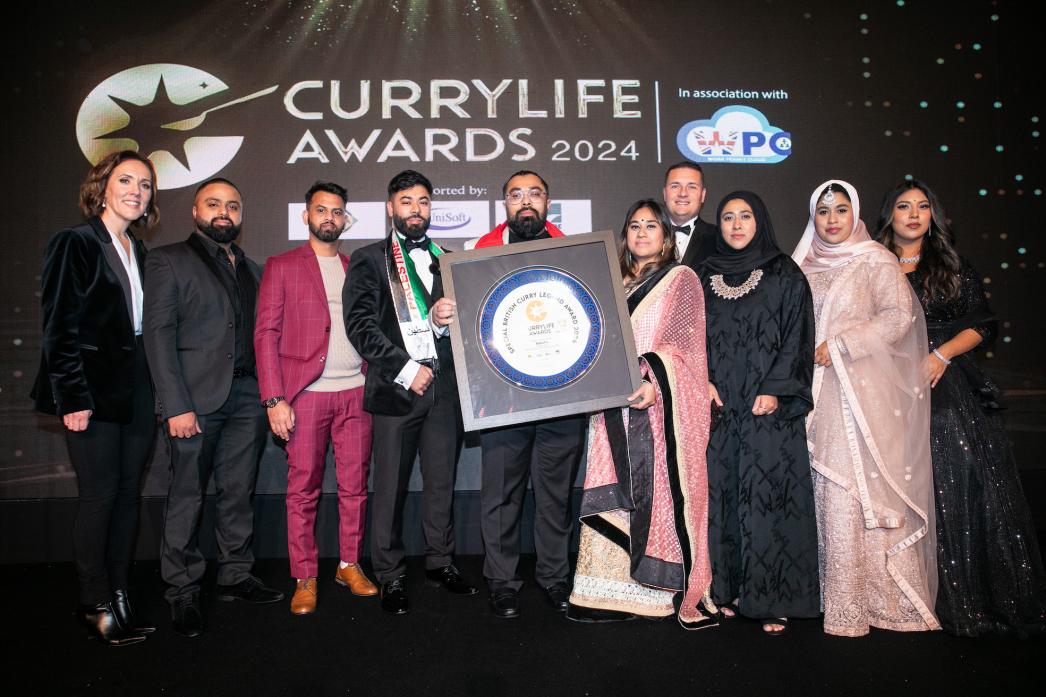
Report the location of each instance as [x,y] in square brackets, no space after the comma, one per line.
[517,195]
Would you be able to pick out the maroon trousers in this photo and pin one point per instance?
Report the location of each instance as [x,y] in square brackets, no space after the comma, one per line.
[321,418]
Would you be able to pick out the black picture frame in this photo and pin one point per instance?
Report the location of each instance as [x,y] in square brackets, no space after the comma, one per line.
[489,400]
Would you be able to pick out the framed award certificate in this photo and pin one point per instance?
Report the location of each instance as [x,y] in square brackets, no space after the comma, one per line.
[541,331]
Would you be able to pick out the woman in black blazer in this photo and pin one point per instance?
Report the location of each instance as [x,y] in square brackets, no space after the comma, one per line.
[93,374]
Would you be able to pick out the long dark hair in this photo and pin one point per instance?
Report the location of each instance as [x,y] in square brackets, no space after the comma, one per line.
[668,250]
[937,257]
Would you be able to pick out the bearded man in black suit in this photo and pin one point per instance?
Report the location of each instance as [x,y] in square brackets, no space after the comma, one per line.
[200,298]
[398,320]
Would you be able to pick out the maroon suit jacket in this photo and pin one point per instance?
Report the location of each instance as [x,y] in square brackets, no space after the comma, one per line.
[293,324]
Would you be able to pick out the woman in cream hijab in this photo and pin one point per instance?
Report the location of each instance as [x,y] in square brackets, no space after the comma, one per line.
[869,432]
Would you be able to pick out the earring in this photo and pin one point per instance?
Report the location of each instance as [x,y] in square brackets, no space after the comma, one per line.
[103,204]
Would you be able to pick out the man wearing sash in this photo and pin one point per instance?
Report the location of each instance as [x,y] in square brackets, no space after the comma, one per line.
[547,451]
[398,320]
[198,327]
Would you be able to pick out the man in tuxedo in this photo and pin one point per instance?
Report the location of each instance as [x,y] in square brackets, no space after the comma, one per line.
[312,387]
[398,319]
[200,297]
[548,451]
[684,196]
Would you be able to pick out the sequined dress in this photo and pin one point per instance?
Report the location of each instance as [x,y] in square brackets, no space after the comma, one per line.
[991,572]
[762,532]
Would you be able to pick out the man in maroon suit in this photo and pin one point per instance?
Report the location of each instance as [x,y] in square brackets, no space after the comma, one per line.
[311,382]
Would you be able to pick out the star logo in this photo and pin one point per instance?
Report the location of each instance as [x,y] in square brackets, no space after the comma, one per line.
[153,109]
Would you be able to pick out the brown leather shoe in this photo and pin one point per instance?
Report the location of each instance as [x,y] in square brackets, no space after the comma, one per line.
[304,600]
[353,578]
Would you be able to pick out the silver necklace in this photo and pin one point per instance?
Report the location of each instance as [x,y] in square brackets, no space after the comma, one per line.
[727,292]
[910,260]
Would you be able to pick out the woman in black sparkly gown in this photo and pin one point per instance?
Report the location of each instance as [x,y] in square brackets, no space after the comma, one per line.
[762,533]
[991,573]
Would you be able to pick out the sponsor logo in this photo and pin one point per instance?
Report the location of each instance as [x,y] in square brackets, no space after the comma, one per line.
[450,219]
[555,214]
[369,217]
[152,109]
[735,134]
[444,219]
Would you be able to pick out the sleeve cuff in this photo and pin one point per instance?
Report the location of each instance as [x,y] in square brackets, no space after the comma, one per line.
[439,331]
[406,376]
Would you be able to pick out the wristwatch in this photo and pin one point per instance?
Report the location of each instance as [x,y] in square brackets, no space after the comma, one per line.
[270,403]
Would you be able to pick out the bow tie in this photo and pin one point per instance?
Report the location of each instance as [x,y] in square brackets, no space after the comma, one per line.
[409,244]
[685,229]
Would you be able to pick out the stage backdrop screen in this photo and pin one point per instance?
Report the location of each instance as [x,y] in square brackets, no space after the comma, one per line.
[599,97]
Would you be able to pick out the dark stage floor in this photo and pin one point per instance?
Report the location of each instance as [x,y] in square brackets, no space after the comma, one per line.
[451,646]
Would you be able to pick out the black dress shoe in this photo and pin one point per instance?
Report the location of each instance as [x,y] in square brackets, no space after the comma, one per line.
[394,597]
[122,608]
[558,596]
[250,589]
[186,618]
[505,603]
[449,578]
[103,624]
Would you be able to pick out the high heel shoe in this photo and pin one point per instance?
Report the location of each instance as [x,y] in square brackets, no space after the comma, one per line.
[101,621]
[122,608]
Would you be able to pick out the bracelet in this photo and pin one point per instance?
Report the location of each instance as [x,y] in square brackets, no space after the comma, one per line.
[941,358]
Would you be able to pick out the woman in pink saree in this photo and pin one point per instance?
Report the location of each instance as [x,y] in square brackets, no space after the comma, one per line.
[869,432]
[644,536]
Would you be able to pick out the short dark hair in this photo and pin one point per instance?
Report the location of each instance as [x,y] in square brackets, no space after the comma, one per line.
[408,179]
[330,188]
[686,164]
[92,191]
[523,173]
[218,180]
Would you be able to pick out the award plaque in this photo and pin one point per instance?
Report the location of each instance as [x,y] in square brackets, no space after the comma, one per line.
[541,330]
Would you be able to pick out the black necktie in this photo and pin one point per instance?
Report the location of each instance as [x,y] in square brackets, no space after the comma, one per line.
[410,244]
[685,229]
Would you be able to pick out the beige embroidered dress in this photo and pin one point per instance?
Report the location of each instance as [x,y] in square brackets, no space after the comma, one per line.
[869,439]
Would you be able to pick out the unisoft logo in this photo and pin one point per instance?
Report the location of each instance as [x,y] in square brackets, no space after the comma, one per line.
[162,109]
[736,134]
[444,219]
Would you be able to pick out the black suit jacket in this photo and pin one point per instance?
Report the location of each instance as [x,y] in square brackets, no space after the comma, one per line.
[87,360]
[373,329]
[189,328]
[702,244]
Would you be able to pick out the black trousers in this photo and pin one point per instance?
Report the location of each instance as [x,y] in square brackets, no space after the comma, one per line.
[549,452]
[109,459]
[432,432]
[228,449]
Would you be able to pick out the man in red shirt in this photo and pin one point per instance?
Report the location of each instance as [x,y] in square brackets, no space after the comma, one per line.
[548,451]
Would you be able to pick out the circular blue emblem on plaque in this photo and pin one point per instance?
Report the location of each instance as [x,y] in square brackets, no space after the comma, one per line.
[540,328]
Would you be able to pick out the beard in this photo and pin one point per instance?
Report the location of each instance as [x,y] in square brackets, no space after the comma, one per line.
[413,230]
[221,235]
[326,232]
[527,228]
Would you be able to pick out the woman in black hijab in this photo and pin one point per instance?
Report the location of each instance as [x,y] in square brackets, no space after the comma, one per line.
[760,329]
